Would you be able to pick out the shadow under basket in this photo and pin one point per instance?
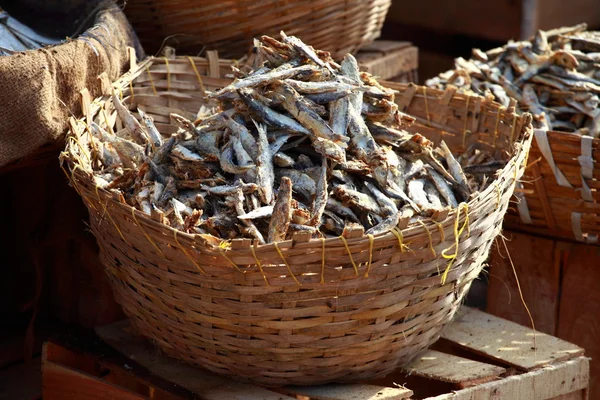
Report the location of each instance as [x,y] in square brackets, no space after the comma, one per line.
[303,311]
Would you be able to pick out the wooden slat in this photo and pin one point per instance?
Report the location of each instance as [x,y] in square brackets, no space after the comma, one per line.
[537,263]
[542,384]
[64,383]
[579,316]
[22,381]
[210,386]
[507,342]
[349,392]
[452,369]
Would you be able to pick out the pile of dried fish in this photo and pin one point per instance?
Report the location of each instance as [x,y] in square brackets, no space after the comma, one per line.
[15,36]
[298,144]
[555,77]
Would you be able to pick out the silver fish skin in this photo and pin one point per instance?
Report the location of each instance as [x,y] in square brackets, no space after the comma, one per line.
[328,97]
[349,68]
[161,154]
[304,162]
[416,191]
[239,130]
[207,143]
[185,154]
[155,137]
[388,207]
[357,199]
[227,164]
[433,195]
[282,212]
[265,175]
[228,190]
[271,117]
[298,228]
[339,115]
[362,142]
[279,141]
[262,212]
[282,160]
[305,50]
[302,183]
[237,201]
[387,224]
[130,122]
[319,87]
[243,158]
[443,187]
[321,195]
[454,166]
[264,79]
[293,103]
[341,210]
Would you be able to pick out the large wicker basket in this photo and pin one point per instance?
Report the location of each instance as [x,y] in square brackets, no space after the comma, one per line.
[302,311]
[338,26]
[560,192]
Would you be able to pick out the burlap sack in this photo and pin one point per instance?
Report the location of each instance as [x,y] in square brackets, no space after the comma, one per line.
[39,90]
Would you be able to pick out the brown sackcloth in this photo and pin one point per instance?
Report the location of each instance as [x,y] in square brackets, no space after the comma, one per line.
[39,89]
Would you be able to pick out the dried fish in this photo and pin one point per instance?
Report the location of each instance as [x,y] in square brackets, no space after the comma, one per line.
[282,212]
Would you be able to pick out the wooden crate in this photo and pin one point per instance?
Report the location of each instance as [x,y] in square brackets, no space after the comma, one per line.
[494,20]
[390,60]
[560,285]
[479,357]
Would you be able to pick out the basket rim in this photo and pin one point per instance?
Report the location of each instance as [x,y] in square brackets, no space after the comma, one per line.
[521,145]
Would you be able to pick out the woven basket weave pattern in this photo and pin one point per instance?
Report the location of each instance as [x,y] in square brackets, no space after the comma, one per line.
[548,205]
[339,26]
[305,320]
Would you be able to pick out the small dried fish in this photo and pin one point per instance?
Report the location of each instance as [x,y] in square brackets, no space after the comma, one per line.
[282,212]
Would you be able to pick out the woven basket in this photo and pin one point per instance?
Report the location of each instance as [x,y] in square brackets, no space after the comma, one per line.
[302,311]
[560,192]
[338,26]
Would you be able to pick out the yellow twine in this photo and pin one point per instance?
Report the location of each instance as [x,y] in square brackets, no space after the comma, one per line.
[151,80]
[322,260]
[202,88]
[224,245]
[350,254]
[371,240]
[286,264]
[131,90]
[400,238]
[76,140]
[168,74]
[430,240]
[498,195]
[514,127]
[259,264]
[464,138]
[457,233]
[187,254]
[441,229]
[426,106]
[496,128]
[120,94]
[144,232]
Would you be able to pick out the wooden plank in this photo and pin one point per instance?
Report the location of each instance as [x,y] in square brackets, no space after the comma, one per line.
[349,392]
[452,369]
[579,313]
[210,386]
[537,262]
[507,342]
[64,383]
[541,384]
[22,381]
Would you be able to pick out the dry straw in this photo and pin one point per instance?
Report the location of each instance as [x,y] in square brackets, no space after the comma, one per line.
[300,311]
[339,26]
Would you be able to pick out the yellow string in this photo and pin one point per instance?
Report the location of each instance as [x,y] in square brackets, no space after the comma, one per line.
[457,233]
[514,127]
[464,141]
[441,229]
[286,263]
[74,138]
[430,240]
[120,94]
[496,128]
[371,240]
[400,238]
[224,245]
[350,254]
[104,113]
[151,80]
[259,264]
[168,74]
[144,232]
[322,260]
[131,90]
[426,106]
[202,88]
[187,254]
